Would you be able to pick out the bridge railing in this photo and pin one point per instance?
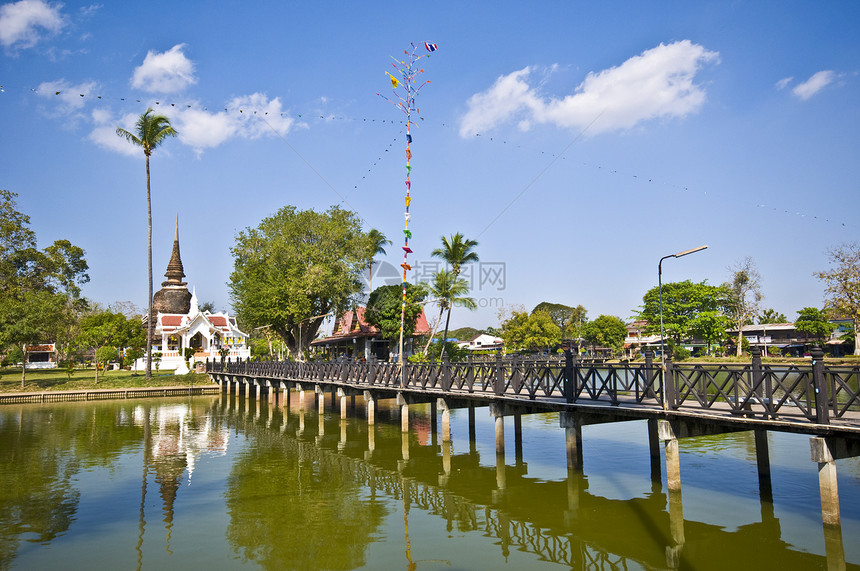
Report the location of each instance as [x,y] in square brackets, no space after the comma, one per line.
[814,392]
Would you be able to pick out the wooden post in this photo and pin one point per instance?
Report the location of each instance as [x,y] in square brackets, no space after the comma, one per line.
[673,462]
[819,385]
[518,439]
[822,453]
[572,439]
[762,455]
[342,396]
[654,450]
[446,419]
[404,413]
[472,433]
[497,413]
[669,383]
[648,374]
[370,405]
[499,379]
[568,375]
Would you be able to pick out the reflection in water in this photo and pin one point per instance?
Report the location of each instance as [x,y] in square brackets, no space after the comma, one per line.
[293,489]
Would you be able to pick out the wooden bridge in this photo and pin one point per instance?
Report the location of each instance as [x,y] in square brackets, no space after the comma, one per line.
[422,477]
[678,401]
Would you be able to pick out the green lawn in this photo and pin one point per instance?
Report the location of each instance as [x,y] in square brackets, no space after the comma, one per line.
[84,379]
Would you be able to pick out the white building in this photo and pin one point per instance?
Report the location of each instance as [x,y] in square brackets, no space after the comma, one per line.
[180,325]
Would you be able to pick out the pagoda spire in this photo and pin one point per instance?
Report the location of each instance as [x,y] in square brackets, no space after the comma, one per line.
[175,271]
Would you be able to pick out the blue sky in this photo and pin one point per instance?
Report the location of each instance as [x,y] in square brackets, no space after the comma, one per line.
[578,142]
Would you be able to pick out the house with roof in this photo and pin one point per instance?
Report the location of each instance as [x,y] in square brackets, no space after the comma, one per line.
[354,338]
[180,325]
[483,342]
[43,356]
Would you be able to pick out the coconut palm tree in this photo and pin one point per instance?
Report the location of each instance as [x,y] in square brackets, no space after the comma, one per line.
[149,132]
[447,291]
[378,241]
[456,251]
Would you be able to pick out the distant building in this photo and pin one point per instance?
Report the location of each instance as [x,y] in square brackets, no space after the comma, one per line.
[179,323]
[354,338]
[42,356]
[483,342]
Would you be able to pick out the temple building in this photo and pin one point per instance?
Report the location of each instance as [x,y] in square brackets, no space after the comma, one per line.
[180,325]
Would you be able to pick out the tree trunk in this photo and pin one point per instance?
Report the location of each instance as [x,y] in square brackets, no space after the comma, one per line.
[149,323]
[435,327]
[445,335]
[857,336]
[24,367]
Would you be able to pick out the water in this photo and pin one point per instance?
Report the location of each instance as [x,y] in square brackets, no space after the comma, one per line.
[224,482]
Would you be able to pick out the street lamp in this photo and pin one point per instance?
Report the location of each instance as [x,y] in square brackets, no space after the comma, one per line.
[660,290]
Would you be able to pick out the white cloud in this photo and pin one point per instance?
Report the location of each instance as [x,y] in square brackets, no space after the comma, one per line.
[104,133]
[166,72]
[814,84]
[67,98]
[656,83]
[22,23]
[783,83]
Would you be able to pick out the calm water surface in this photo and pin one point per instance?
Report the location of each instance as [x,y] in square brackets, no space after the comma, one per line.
[227,482]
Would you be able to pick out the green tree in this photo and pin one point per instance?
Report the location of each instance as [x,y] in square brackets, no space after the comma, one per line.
[296,266]
[568,318]
[384,308]
[606,331]
[812,322]
[743,296]
[105,331]
[448,291]
[39,289]
[456,250]
[842,285]
[682,301]
[771,316]
[30,318]
[710,327]
[524,332]
[150,131]
[378,241]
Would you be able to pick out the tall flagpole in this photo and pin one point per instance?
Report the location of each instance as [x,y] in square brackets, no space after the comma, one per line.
[405,88]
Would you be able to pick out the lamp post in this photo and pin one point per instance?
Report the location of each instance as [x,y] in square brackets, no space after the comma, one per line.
[660,291]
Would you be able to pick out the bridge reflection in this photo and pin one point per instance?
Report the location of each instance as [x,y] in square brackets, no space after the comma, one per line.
[559,521]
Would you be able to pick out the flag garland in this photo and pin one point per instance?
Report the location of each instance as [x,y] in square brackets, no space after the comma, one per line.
[405,89]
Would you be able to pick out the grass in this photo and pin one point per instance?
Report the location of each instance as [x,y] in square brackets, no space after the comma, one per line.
[84,379]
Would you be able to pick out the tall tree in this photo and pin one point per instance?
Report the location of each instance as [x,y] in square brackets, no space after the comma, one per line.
[39,289]
[682,301]
[448,291]
[378,241]
[105,329]
[456,251]
[743,296]
[385,304]
[771,316]
[295,267]
[842,293]
[813,323]
[606,331]
[149,132]
[710,327]
[524,332]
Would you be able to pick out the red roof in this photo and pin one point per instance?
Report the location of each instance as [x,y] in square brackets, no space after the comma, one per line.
[218,320]
[171,320]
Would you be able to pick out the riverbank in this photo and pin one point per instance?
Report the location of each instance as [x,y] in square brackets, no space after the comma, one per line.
[82,380]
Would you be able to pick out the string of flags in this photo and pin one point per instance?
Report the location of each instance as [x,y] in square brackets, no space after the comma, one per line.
[405,88]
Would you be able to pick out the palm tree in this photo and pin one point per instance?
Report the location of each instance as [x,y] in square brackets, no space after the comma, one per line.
[149,132]
[447,291]
[378,241]
[456,251]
